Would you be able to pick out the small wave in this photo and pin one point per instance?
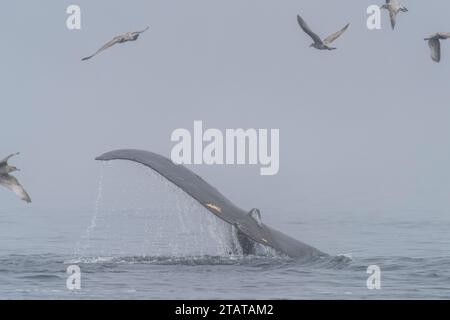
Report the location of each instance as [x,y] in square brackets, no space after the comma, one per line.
[330,262]
[41,277]
[187,260]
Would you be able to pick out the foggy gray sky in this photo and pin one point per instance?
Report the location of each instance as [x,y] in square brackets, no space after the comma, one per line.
[365,127]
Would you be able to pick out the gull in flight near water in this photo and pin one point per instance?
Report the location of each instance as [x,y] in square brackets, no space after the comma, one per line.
[435,44]
[9,181]
[129,36]
[394,8]
[318,42]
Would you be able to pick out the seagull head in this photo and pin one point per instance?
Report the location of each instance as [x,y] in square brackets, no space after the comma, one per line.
[13,169]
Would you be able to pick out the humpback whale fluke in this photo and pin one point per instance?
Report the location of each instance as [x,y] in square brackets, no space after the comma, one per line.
[9,181]
[318,42]
[248,224]
[129,36]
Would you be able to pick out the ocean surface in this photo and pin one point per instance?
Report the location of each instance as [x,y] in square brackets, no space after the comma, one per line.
[155,242]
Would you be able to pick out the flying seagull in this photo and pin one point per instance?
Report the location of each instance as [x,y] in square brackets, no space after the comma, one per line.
[10,182]
[129,36]
[394,8]
[435,44]
[318,43]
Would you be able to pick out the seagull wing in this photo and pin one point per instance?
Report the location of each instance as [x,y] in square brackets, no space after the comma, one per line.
[307,30]
[12,184]
[435,46]
[135,34]
[335,35]
[142,31]
[106,46]
[5,161]
[393,17]
[444,35]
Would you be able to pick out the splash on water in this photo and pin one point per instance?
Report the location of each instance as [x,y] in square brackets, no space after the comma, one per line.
[84,242]
[139,213]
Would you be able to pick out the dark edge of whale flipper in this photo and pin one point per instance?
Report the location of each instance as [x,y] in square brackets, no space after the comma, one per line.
[216,203]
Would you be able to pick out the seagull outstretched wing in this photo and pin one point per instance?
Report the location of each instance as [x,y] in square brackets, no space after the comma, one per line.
[142,31]
[393,18]
[106,46]
[12,184]
[435,47]
[444,35]
[5,161]
[335,35]
[307,30]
